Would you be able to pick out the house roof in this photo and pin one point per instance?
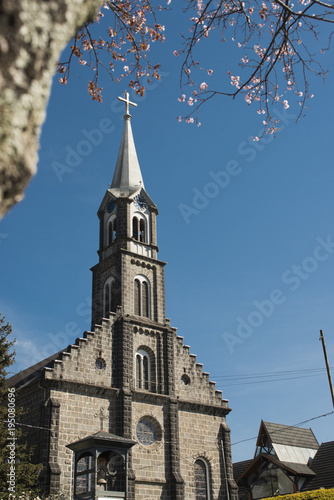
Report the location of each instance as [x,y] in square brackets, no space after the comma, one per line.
[240,467]
[32,373]
[101,438]
[323,466]
[295,469]
[288,435]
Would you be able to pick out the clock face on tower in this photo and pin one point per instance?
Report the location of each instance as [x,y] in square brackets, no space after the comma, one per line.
[140,203]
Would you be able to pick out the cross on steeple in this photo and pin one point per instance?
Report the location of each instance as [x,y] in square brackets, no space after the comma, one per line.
[127,102]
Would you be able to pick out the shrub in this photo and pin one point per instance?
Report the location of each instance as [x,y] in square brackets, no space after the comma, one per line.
[307,495]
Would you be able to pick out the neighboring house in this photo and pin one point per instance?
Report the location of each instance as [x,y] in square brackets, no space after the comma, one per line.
[323,466]
[287,459]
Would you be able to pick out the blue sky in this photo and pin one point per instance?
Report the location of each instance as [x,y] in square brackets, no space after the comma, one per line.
[249,280]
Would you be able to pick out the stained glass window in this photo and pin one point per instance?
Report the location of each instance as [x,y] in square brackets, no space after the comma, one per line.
[201,484]
[146,432]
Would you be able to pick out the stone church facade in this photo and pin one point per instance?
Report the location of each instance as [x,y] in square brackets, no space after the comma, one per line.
[126,411]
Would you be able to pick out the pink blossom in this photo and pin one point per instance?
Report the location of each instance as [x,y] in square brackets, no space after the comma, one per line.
[179,118]
[203,86]
[210,72]
[126,68]
[182,98]
[235,80]
[175,53]
[191,101]
[286,104]
[248,98]
[190,120]
[199,124]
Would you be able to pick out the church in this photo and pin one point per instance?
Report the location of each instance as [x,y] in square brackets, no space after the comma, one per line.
[126,412]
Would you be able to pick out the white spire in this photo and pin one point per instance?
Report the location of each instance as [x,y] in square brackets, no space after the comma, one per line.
[127,176]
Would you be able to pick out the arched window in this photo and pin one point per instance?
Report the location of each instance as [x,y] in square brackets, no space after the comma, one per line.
[143,370]
[142,236]
[137,297]
[135,228]
[111,230]
[145,304]
[106,299]
[139,228]
[142,296]
[202,490]
[109,303]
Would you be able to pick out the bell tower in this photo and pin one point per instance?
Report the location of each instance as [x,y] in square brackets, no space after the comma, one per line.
[128,278]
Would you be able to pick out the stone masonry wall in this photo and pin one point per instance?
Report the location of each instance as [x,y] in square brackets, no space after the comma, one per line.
[79,416]
[154,272]
[199,438]
[149,461]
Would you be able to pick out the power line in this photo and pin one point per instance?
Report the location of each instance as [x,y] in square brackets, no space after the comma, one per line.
[266,381]
[237,442]
[296,425]
[266,374]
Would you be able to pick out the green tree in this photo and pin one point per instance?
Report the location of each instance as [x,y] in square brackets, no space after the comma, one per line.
[15,456]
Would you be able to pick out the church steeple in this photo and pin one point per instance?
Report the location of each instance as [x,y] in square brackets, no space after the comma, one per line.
[127,177]
[129,274]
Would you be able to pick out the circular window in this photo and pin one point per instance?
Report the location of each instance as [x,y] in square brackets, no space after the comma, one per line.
[100,364]
[185,379]
[146,432]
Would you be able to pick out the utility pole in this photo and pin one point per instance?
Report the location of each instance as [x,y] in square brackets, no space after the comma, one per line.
[322,338]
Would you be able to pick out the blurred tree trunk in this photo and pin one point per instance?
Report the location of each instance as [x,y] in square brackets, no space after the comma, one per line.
[32,35]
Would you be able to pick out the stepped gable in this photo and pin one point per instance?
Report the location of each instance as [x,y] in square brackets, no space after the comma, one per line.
[192,383]
[72,363]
